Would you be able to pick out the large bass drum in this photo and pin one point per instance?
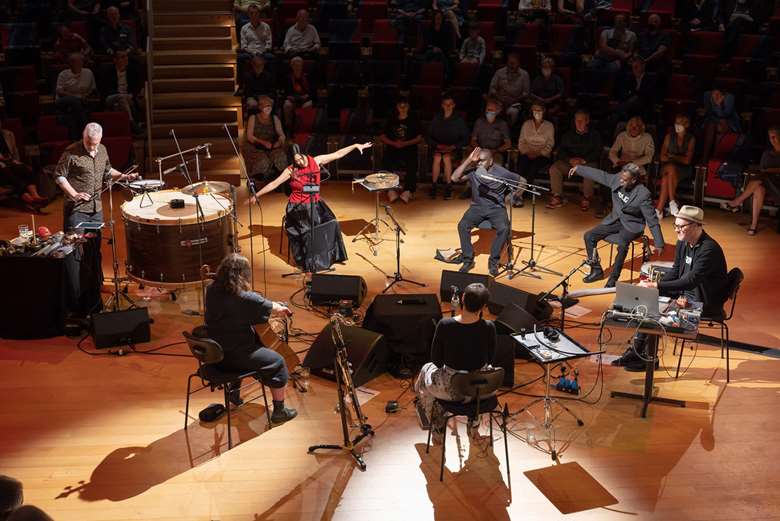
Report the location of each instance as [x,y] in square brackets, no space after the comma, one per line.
[165,244]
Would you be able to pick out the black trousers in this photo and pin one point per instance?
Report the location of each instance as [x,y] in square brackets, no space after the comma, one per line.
[528,167]
[84,268]
[475,215]
[618,235]
[403,159]
[269,363]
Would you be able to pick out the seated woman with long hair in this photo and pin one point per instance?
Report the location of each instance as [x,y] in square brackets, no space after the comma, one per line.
[465,342]
[232,310]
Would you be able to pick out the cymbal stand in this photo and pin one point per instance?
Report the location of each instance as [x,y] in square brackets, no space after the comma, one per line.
[114,302]
[253,195]
[397,277]
[346,394]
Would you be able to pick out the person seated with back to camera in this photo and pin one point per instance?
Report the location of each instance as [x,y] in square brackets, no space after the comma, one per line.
[232,311]
[632,210]
[465,342]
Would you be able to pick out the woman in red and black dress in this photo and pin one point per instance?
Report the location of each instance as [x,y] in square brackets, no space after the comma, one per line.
[307,210]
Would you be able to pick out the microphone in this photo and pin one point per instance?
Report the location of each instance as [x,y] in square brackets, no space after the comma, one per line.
[455,299]
[174,168]
[208,150]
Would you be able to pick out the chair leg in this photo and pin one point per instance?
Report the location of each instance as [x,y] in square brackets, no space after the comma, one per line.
[443,448]
[265,400]
[611,249]
[430,432]
[679,360]
[187,404]
[728,368]
[490,415]
[631,265]
[674,349]
[226,388]
[504,416]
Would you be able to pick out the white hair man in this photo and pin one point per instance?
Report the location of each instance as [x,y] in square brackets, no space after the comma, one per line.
[81,173]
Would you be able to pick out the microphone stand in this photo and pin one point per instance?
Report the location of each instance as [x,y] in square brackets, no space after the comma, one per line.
[397,277]
[531,265]
[200,218]
[114,301]
[253,194]
[563,283]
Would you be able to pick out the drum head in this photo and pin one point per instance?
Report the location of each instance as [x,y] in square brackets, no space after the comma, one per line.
[158,211]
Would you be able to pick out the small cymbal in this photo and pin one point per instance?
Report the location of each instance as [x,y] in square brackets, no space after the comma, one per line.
[206,187]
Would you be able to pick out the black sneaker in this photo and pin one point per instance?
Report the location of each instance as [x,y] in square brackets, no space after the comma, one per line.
[281,415]
[626,358]
[468,265]
[596,273]
[493,270]
[610,283]
[447,192]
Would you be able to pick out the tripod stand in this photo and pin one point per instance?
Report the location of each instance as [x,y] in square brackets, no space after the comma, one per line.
[374,238]
[564,298]
[531,265]
[114,302]
[346,390]
[397,277]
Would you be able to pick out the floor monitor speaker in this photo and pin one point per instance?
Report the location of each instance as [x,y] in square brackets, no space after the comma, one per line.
[366,353]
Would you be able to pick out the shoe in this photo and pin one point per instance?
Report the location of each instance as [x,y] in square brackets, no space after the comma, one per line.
[673,208]
[493,270]
[727,207]
[432,193]
[752,231]
[284,414]
[392,196]
[596,273]
[406,196]
[555,202]
[517,202]
[468,265]
[659,214]
[638,365]
[626,358]
[610,283]
[447,192]
[235,397]
[585,204]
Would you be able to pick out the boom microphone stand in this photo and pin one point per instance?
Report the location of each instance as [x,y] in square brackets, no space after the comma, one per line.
[563,283]
[114,302]
[397,277]
[531,265]
[253,194]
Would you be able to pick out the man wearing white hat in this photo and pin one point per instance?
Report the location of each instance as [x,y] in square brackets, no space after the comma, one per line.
[699,274]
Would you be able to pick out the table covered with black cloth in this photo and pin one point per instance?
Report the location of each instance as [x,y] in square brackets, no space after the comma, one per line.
[407,321]
[35,293]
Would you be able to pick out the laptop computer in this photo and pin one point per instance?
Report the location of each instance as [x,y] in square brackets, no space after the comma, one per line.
[629,297]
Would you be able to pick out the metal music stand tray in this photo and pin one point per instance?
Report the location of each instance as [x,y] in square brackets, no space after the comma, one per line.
[374,238]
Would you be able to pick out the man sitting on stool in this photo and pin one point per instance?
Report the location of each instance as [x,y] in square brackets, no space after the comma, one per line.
[487,203]
[698,274]
[632,209]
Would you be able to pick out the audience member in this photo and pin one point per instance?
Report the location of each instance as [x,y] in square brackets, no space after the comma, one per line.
[701,15]
[739,18]
[548,88]
[127,8]
[406,16]
[116,36]
[473,48]
[11,496]
[720,117]
[74,85]
[654,44]
[302,38]
[89,11]
[256,37]
[258,81]
[265,141]
[297,91]
[636,93]
[534,11]
[633,145]
[401,136]
[676,163]
[572,10]
[123,84]
[491,132]
[29,513]
[452,14]
[616,46]
[510,86]
[68,43]
[448,133]
[535,145]
[241,10]
[770,165]
[438,39]
[580,145]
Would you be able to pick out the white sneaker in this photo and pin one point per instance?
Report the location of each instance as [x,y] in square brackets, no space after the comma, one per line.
[392,196]
[673,208]
[406,196]
[659,214]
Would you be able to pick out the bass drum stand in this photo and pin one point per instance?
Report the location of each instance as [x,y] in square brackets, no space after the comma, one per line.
[347,397]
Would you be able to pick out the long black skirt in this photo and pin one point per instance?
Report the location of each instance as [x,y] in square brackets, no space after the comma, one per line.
[327,245]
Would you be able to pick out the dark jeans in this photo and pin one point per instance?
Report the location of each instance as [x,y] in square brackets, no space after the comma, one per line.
[475,215]
[617,235]
[85,267]
[403,159]
[269,363]
[75,114]
[528,167]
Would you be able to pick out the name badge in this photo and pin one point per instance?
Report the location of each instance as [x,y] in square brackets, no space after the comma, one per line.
[688,260]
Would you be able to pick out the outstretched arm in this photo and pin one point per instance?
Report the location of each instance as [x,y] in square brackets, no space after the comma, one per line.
[270,187]
[338,154]
[594,174]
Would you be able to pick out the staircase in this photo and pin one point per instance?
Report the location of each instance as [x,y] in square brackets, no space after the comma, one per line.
[192,64]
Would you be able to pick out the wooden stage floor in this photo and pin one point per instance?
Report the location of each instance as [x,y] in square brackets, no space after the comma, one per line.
[102,438]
